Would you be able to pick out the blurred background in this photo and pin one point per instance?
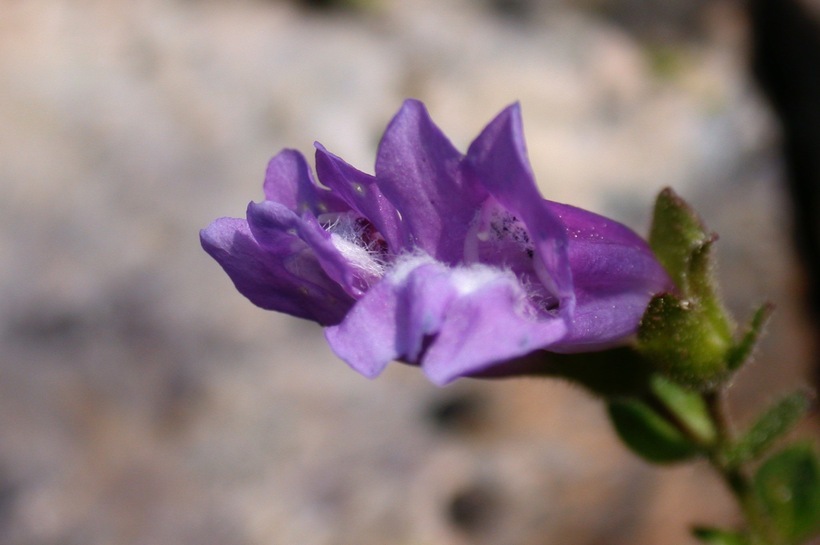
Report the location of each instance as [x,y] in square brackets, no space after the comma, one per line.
[144,401]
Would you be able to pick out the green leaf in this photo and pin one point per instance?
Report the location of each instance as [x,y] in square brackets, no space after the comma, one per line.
[676,232]
[769,426]
[680,341]
[688,407]
[716,536]
[648,433]
[788,488]
[743,350]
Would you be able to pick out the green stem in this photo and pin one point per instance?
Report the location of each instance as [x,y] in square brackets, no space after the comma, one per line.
[761,531]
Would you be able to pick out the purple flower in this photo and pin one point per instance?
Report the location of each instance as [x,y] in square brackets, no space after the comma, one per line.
[448,261]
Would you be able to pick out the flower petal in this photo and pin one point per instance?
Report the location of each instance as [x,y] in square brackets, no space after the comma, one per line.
[283,276]
[268,220]
[615,274]
[288,181]
[497,159]
[453,321]
[498,237]
[417,169]
[395,318]
[487,326]
[360,191]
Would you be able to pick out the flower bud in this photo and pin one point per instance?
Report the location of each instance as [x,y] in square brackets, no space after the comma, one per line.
[686,335]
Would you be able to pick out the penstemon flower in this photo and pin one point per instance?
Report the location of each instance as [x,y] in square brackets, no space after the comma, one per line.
[456,264]
[448,261]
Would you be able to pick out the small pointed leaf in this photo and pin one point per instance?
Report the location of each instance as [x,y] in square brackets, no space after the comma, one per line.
[743,350]
[688,407]
[648,433]
[770,426]
[716,536]
[788,488]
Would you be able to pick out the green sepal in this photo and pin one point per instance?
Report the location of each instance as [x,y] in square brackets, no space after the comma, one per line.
[680,340]
[716,536]
[703,291]
[676,233]
[769,426]
[648,433]
[687,334]
[688,407]
[743,350]
[788,488]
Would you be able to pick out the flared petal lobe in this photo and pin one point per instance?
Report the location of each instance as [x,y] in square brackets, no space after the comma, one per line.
[363,194]
[453,322]
[615,275]
[267,221]
[284,275]
[498,161]
[398,315]
[288,181]
[418,171]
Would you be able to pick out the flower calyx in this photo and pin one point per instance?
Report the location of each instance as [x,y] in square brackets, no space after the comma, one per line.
[688,335]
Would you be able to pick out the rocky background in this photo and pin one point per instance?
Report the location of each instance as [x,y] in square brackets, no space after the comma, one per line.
[144,402]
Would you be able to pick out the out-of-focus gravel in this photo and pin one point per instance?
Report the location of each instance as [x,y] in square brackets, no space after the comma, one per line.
[143,401]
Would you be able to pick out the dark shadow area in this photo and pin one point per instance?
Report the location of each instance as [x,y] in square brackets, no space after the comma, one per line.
[786,62]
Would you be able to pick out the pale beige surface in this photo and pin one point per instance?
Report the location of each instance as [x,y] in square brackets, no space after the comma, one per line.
[143,401]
